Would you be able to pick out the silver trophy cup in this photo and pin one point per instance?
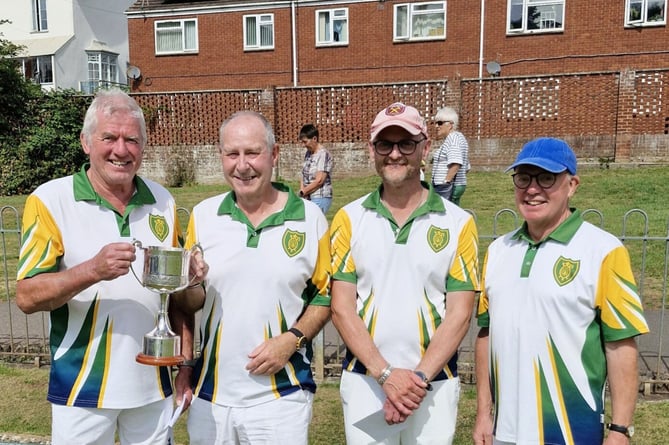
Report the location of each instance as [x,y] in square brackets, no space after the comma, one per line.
[165,270]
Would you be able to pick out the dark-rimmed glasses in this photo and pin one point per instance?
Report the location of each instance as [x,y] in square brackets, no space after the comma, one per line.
[545,180]
[405,146]
[440,123]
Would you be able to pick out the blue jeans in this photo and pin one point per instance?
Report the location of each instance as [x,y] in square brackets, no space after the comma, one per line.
[323,203]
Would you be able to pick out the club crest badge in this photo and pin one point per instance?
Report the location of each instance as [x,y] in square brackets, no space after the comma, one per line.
[159,227]
[438,238]
[565,270]
[293,242]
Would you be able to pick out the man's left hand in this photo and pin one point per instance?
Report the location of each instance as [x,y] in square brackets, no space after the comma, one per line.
[271,355]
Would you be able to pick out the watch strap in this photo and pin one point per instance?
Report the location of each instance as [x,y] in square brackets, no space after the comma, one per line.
[301,338]
[619,429]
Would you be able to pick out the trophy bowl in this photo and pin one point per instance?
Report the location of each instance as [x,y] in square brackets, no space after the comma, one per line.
[164,271]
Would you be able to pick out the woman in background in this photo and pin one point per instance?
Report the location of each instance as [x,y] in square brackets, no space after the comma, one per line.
[316,182]
[451,161]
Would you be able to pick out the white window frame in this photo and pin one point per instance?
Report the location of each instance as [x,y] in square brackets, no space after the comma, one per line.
[325,31]
[262,21]
[189,43]
[39,16]
[640,9]
[105,66]
[406,17]
[550,22]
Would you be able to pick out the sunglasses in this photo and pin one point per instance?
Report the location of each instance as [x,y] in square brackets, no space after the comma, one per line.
[406,146]
[440,123]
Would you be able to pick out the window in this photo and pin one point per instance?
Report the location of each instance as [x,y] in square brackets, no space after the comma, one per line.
[39,15]
[645,12]
[102,71]
[332,27]
[176,36]
[39,69]
[259,31]
[530,16]
[420,21]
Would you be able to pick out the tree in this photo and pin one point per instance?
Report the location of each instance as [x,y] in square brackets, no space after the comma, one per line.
[39,132]
[15,91]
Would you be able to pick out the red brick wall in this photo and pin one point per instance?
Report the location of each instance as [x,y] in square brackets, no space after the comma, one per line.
[616,116]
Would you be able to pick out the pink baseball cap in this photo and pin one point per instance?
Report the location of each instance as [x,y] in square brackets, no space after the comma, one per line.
[399,115]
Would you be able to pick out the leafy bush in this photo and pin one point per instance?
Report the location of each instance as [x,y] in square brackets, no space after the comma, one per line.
[49,145]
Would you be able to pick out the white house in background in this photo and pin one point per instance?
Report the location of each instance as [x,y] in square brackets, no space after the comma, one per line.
[78,44]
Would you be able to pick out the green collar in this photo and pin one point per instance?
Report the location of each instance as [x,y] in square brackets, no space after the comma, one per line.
[562,233]
[293,211]
[432,204]
[84,191]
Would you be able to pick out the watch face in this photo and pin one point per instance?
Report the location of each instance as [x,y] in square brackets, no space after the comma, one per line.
[630,430]
[302,342]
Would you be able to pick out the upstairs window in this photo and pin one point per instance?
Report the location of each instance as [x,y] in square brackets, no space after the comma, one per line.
[332,27]
[530,16]
[420,21]
[645,12]
[176,36]
[39,15]
[259,32]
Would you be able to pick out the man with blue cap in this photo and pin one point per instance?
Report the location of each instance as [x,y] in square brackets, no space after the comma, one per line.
[558,311]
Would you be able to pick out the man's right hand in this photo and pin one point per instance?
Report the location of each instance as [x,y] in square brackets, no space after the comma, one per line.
[113,261]
[405,391]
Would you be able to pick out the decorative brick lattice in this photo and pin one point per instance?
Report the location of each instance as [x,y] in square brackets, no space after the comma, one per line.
[648,98]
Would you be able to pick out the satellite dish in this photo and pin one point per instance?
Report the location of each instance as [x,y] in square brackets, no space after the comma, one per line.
[133,72]
[493,68]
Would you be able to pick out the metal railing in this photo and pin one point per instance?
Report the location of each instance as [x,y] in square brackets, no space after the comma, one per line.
[25,337]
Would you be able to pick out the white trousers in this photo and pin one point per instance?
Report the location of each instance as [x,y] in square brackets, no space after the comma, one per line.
[144,425]
[284,421]
[433,423]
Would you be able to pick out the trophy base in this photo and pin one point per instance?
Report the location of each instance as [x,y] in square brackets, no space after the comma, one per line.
[159,361]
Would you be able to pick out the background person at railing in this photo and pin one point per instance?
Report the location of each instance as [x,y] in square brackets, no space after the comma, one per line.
[450,163]
[73,265]
[266,295]
[405,270]
[316,179]
[559,311]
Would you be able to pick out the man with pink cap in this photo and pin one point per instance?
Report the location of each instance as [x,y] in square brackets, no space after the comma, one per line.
[405,272]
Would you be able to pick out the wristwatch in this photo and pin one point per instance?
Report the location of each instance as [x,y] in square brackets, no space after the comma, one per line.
[301,338]
[188,363]
[626,430]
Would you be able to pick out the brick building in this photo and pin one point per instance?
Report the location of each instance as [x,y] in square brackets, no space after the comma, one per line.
[226,44]
[592,72]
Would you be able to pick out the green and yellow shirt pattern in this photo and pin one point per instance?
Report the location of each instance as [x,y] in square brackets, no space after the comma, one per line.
[403,274]
[260,280]
[550,306]
[95,337]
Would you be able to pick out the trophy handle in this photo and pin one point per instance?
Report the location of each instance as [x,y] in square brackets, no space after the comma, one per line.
[196,247]
[138,245]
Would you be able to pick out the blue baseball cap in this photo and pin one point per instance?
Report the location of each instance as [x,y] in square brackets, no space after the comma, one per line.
[553,155]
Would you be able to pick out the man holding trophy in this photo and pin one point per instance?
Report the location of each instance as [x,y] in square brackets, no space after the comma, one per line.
[75,257]
[264,298]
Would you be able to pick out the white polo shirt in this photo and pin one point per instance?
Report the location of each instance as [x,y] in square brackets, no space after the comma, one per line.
[95,336]
[260,280]
[550,306]
[403,274]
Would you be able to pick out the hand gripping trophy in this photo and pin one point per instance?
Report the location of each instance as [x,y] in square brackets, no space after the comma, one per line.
[165,271]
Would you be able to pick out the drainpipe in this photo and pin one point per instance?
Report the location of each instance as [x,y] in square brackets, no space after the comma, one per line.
[481,43]
[481,39]
[294,40]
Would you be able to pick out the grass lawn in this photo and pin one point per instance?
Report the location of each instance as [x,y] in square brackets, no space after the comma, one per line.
[25,413]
